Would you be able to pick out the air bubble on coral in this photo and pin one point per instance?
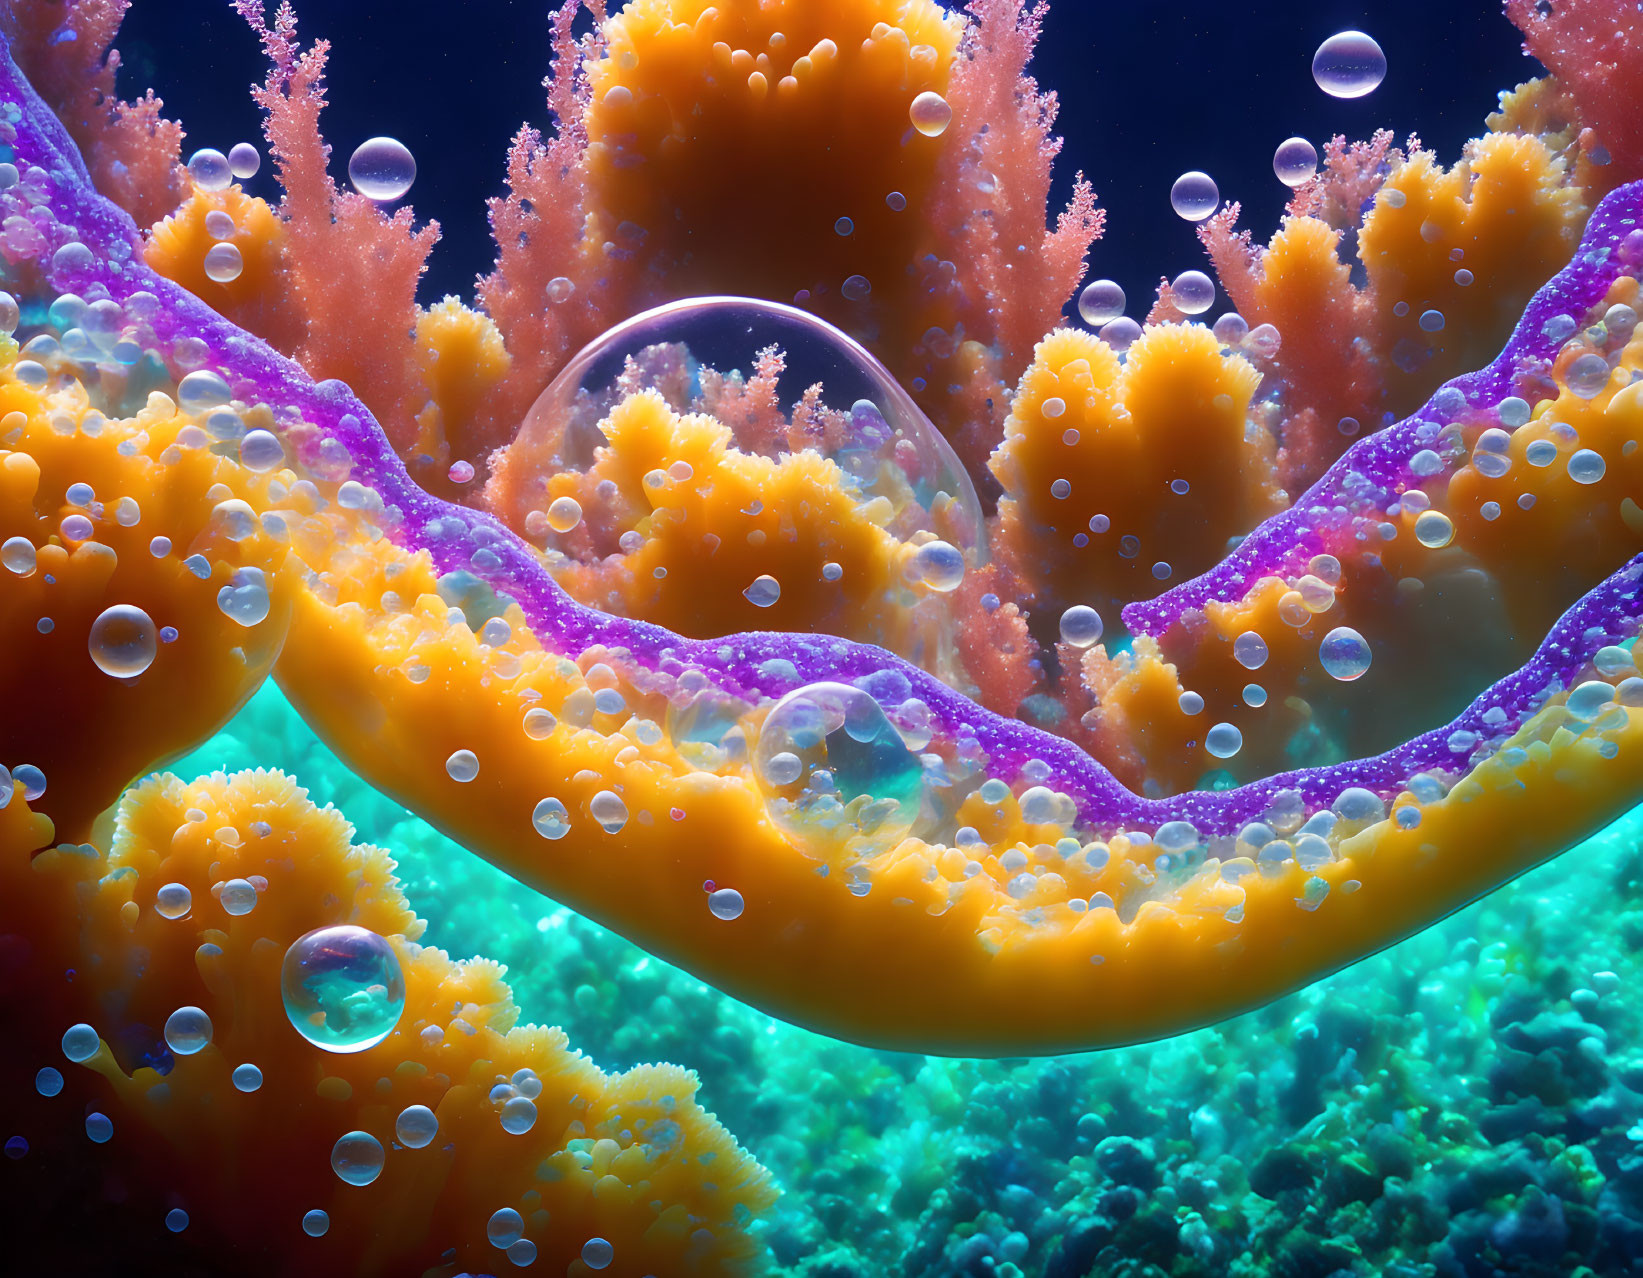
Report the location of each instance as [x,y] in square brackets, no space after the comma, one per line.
[202,390]
[416,1126]
[1349,64]
[343,987]
[187,1030]
[239,897]
[357,1158]
[1194,195]
[1295,161]
[939,566]
[930,114]
[504,1228]
[1101,302]
[518,1115]
[1588,375]
[223,263]
[122,641]
[244,160]
[245,598]
[173,901]
[1586,466]
[1224,740]
[858,778]
[1121,334]
[18,555]
[209,170]
[1434,529]
[764,591]
[608,810]
[382,169]
[551,819]
[539,723]
[1250,650]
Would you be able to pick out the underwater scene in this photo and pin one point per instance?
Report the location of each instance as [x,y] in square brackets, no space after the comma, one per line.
[821,638]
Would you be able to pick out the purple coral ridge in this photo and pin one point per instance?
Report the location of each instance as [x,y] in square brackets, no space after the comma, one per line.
[342,440]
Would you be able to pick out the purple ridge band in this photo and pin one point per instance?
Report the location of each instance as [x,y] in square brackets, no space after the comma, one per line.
[740,663]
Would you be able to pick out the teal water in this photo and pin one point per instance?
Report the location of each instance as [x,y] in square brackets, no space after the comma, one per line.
[1468,1102]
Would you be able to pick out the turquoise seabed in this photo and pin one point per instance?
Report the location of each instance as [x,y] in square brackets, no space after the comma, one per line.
[1460,1081]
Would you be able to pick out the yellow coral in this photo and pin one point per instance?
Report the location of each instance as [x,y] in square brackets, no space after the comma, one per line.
[615,1156]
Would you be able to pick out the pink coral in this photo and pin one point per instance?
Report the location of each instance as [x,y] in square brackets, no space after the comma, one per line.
[129,147]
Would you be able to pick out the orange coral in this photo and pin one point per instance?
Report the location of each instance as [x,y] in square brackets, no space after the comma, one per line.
[614,1156]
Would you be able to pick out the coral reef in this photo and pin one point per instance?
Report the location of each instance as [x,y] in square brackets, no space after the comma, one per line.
[919,671]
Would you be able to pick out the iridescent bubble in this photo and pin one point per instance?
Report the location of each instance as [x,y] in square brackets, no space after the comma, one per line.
[382,168]
[224,263]
[1081,626]
[209,170]
[1249,650]
[939,565]
[173,901]
[202,390]
[1433,529]
[18,555]
[244,160]
[123,641]
[343,987]
[1101,303]
[1344,653]
[726,903]
[1194,195]
[1295,161]
[239,896]
[357,1158]
[858,779]
[1193,291]
[187,1030]
[416,1126]
[1588,375]
[930,114]
[564,513]
[1348,65]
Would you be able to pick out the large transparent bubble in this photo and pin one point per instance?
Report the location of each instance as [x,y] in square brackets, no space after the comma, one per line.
[780,378]
[836,773]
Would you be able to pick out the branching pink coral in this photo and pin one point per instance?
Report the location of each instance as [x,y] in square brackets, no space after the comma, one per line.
[1015,275]
[352,268]
[130,148]
[1595,48]
[549,290]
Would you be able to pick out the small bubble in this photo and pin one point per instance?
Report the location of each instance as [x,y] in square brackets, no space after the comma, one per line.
[382,169]
[1433,529]
[1295,161]
[357,1158]
[1101,303]
[462,766]
[1344,654]
[1348,65]
[726,903]
[223,263]
[416,1126]
[209,170]
[123,641]
[1193,291]
[187,1030]
[939,565]
[597,1253]
[176,1220]
[247,1077]
[173,901]
[315,1223]
[1194,195]
[1223,740]
[930,114]
[244,160]
[1081,626]
[764,591]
